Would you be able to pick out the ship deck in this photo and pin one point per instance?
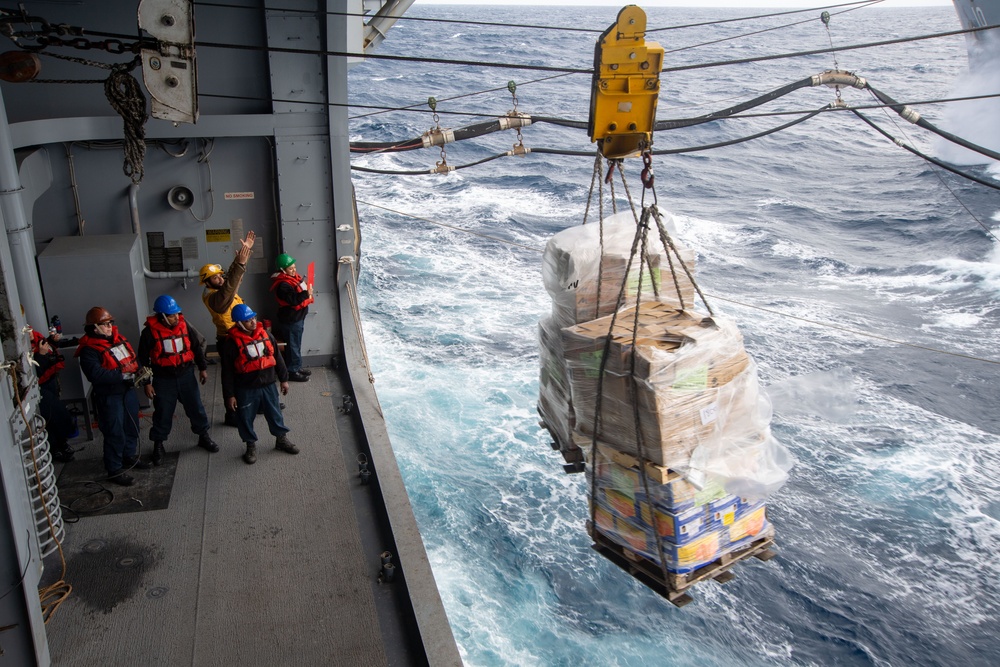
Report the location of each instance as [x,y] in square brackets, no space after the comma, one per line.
[271,564]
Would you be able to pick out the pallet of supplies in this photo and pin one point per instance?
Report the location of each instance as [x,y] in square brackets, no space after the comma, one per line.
[693,382]
[584,274]
[667,531]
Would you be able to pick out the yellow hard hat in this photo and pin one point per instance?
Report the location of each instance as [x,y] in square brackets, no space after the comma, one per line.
[210,270]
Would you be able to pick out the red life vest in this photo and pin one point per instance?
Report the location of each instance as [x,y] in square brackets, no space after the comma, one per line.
[51,371]
[36,340]
[296,281]
[254,351]
[172,345]
[116,354]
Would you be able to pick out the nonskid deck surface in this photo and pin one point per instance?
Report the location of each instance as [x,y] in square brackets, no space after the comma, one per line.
[248,565]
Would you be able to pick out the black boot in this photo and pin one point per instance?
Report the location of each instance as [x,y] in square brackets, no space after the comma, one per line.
[158,452]
[134,464]
[205,442]
[250,456]
[62,454]
[121,477]
[284,444]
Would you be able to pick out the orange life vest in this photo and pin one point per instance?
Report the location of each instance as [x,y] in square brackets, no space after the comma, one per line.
[172,345]
[296,281]
[116,354]
[254,351]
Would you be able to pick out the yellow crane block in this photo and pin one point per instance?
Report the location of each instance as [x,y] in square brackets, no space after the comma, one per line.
[626,86]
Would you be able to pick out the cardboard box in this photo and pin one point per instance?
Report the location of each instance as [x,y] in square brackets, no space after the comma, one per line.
[766,532]
[748,524]
[582,300]
[676,527]
[558,416]
[722,512]
[697,553]
[617,502]
[701,405]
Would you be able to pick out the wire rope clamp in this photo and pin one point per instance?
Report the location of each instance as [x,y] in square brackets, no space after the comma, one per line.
[626,87]
[170,70]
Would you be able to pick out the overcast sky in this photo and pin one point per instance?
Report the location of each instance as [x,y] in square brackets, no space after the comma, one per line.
[747,4]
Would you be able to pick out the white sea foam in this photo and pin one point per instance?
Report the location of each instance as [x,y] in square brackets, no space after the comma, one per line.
[960,273]
[954,321]
[888,511]
[764,204]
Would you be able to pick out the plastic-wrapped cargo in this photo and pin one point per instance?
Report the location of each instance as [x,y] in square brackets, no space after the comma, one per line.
[693,385]
[554,403]
[584,273]
[665,406]
[574,272]
[695,527]
[707,547]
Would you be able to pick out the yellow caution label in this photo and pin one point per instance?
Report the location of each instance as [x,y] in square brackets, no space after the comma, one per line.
[218,235]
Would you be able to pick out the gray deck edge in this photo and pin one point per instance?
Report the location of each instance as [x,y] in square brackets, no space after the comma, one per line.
[428,609]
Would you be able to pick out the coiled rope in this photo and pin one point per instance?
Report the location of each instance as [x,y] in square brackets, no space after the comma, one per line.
[127,99]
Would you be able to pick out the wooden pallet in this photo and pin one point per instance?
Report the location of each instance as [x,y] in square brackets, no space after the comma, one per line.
[675,587]
[572,454]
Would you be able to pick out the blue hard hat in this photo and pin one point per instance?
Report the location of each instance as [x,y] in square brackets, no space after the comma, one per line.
[166,305]
[242,313]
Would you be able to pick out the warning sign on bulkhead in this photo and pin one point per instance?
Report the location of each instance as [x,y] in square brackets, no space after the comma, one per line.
[238,195]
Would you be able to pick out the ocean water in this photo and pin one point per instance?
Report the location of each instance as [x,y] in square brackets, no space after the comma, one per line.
[829,245]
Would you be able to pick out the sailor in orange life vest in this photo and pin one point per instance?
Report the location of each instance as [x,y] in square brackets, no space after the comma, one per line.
[250,366]
[220,298]
[294,297]
[109,362]
[172,348]
[59,423]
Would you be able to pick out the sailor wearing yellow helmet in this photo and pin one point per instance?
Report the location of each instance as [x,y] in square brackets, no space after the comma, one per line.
[220,297]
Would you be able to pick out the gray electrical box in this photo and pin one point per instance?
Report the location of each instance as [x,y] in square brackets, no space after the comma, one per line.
[80,272]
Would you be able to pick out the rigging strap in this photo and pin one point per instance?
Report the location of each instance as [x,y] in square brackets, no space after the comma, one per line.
[590,194]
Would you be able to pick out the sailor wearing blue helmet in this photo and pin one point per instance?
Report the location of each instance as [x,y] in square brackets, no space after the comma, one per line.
[250,367]
[172,348]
